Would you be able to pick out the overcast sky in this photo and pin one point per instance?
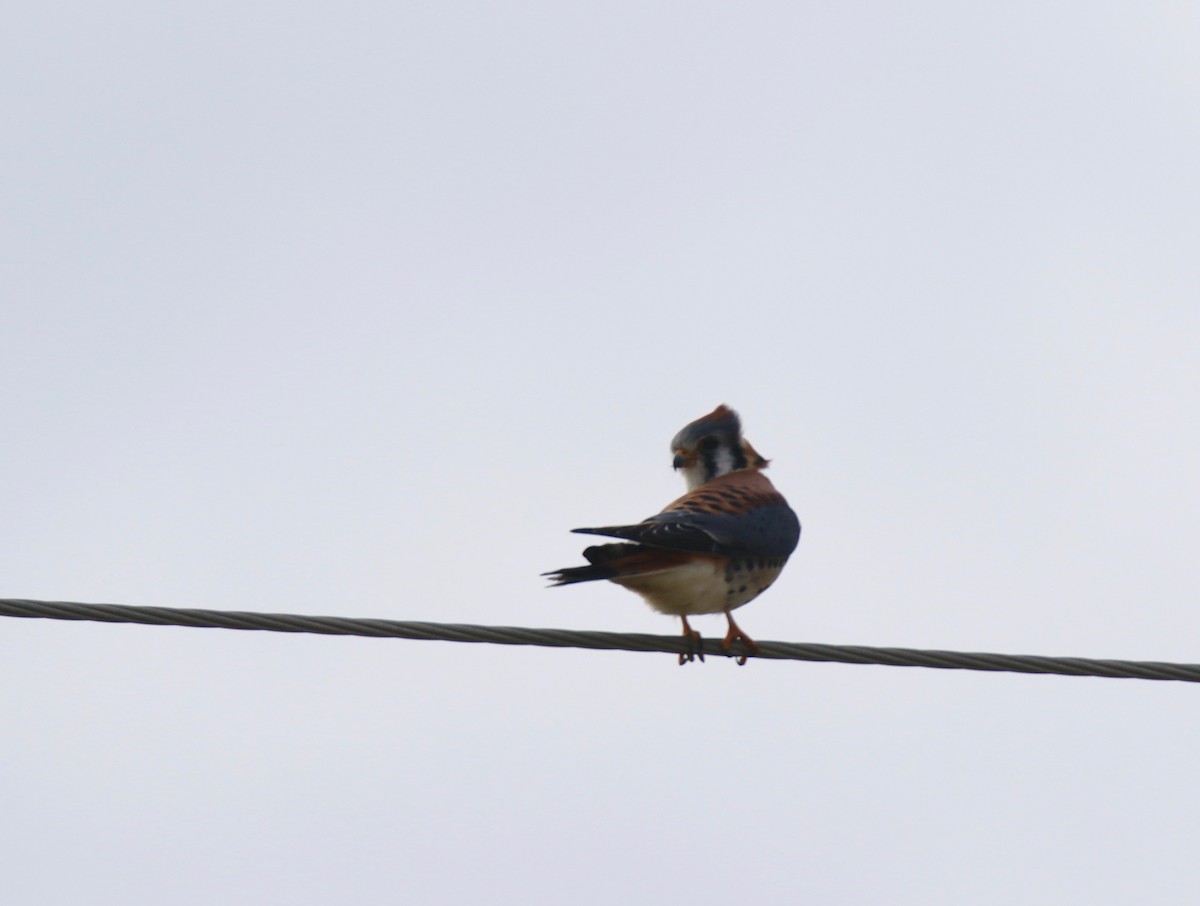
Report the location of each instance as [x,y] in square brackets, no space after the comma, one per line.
[357,309]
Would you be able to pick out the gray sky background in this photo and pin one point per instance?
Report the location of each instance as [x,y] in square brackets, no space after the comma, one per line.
[358,310]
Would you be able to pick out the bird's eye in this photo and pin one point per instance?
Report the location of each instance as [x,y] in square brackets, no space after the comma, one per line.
[709,443]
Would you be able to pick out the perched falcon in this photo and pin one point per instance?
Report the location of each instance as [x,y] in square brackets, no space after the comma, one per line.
[717,547]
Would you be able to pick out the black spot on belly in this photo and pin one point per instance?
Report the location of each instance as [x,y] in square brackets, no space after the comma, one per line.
[742,589]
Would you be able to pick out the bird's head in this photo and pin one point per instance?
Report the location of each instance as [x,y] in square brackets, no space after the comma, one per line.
[712,446]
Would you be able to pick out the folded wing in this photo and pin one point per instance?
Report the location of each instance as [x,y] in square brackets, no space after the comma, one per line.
[770,530]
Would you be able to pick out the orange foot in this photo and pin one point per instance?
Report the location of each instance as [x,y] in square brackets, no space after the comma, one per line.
[692,640]
[735,634]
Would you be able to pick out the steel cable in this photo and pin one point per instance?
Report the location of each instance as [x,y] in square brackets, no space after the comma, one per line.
[609,641]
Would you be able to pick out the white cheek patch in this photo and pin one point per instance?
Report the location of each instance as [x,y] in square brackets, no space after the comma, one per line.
[723,460]
[694,475]
[708,466]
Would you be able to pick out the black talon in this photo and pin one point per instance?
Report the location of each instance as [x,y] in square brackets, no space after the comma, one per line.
[694,644]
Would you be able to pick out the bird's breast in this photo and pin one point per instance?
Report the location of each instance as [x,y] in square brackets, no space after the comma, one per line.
[705,584]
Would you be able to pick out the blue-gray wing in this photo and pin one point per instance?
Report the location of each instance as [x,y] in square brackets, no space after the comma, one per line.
[769,530]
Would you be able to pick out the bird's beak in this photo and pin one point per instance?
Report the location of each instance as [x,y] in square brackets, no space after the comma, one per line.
[682,458]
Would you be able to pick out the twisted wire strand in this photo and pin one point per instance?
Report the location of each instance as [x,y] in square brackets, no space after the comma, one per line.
[608,641]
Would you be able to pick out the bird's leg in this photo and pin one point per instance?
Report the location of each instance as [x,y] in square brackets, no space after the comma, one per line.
[694,649]
[735,634]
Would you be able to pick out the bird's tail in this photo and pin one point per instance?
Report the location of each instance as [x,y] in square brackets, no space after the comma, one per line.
[599,565]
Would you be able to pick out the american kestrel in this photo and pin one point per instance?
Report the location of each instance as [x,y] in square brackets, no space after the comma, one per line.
[717,547]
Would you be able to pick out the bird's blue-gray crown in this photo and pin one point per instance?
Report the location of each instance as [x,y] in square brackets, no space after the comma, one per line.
[713,445]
